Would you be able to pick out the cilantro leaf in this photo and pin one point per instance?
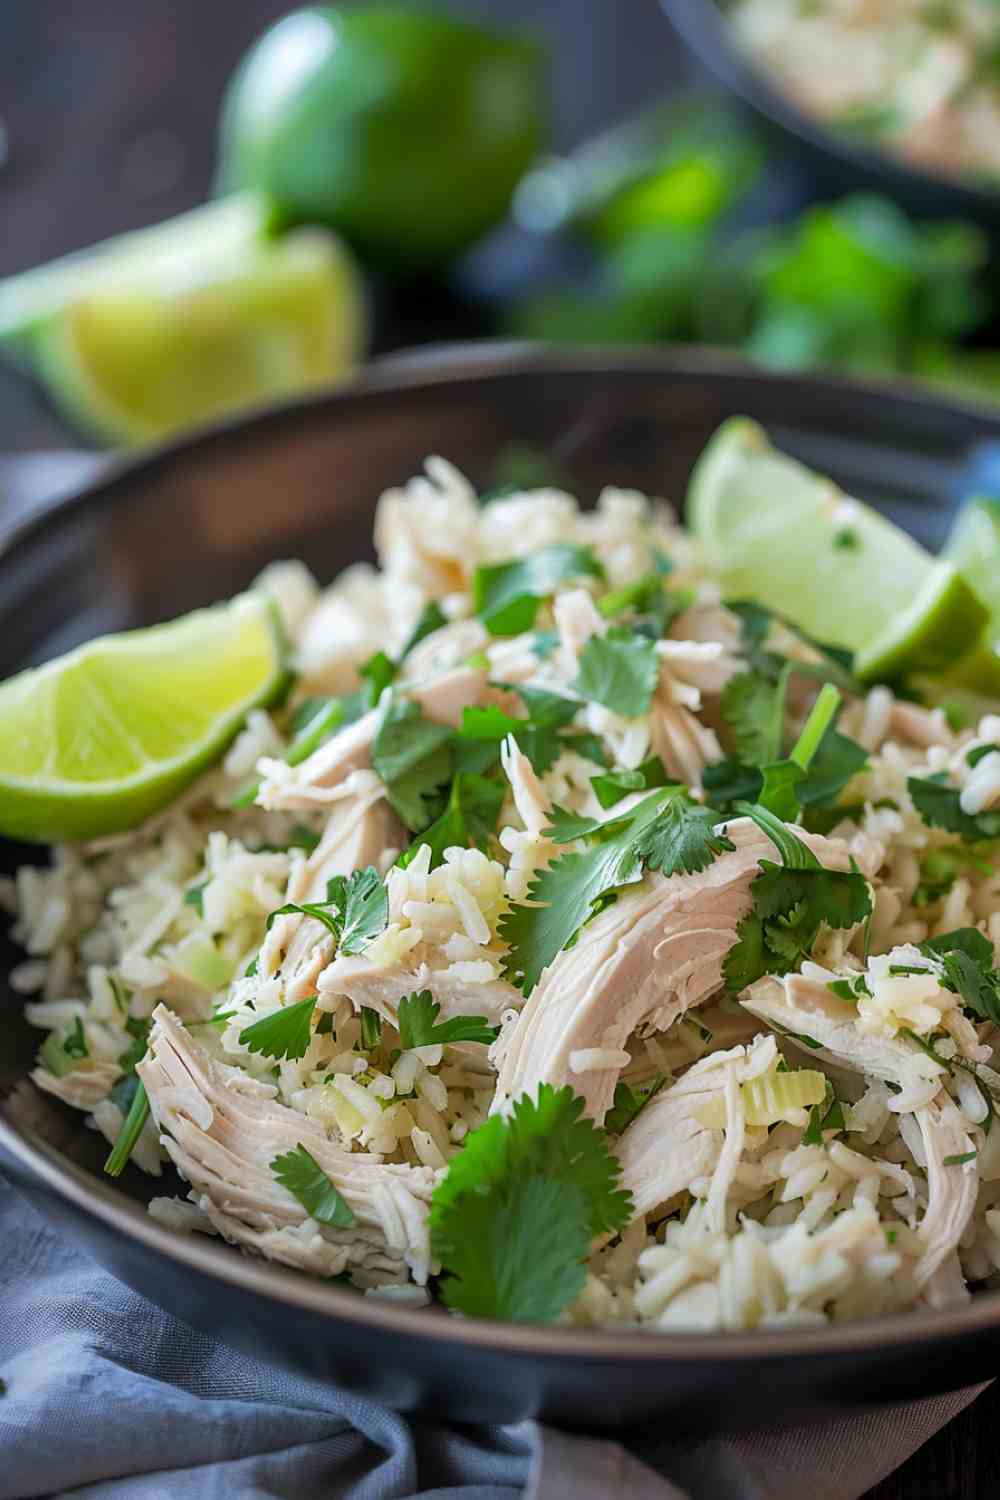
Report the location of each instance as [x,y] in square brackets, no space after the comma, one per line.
[752,708]
[75,1044]
[419,1026]
[619,670]
[967,957]
[940,807]
[469,820]
[629,1103]
[355,910]
[512,1220]
[791,901]
[837,760]
[414,759]
[507,595]
[538,735]
[284,1033]
[432,617]
[379,671]
[371,1028]
[665,836]
[300,1174]
[683,838]
[614,785]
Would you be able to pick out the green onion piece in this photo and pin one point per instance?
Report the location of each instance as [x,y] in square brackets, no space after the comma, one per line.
[820,718]
[129,1133]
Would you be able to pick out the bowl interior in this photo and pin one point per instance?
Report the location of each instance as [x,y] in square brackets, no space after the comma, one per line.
[195,522]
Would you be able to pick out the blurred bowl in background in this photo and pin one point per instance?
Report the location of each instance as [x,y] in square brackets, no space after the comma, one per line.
[837,163]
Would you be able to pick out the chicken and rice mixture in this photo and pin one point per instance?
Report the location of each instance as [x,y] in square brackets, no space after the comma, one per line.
[919,77]
[494,966]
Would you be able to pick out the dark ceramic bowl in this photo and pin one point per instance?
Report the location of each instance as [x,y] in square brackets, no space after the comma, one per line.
[836,163]
[188,524]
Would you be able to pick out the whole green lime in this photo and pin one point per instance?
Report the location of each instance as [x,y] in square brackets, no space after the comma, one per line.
[406,131]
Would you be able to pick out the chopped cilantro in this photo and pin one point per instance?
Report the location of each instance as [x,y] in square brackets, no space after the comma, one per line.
[419,1026]
[826,1116]
[128,1135]
[978,753]
[753,711]
[539,735]
[619,670]
[300,1174]
[432,618]
[379,672]
[513,1219]
[959,1160]
[507,595]
[642,595]
[666,831]
[284,1033]
[355,910]
[629,1103]
[849,989]
[940,807]
[371,1028]
[468,821]
[614,785]
[414,758]
[194,896]
[75,1044]
[791,902]
[967,957]
[139,1031]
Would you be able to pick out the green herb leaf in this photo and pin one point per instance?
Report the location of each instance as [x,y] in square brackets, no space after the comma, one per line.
[432,618]
[967,957]
[538,735]
[194,895]
[959,1160]
[619,670]
[752,708]
[614,785]
[414,759]
[419,1027]
[507,595]
[469,820]
[629,1103]
[284,1033]
[513,1218]
[379,672]
[362,903]
[129,1133]
[300,1173]
[371,1028]
[665,831]
[940,807]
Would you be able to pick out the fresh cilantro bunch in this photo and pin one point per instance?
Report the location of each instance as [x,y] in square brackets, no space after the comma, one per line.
[513,1219]
[791,901]
[666,831]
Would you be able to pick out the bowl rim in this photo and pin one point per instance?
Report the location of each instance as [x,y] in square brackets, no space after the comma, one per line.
[707,32]
[429,367]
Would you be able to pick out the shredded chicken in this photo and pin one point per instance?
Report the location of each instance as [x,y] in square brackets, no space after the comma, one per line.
[382,986]
[358,832]
[316,782]
[223,1129]
[951,1195]
[654,954]
[84,1088]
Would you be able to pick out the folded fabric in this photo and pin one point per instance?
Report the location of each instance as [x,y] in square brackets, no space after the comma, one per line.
[109,1398]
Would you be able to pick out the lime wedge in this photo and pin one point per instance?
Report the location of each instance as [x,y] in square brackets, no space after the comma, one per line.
[776,532]
[183,323]
[974,547]
[97,740]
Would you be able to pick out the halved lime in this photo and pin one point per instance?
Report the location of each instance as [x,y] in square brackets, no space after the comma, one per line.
[776,532]
[185,322]
[97,740]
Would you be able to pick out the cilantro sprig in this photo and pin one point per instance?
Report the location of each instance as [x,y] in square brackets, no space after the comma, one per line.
[967,958]
[300,1174]
[666,831]
[791,901]
[355,910]
[513,1219]
[414,757]
[629,1103]
[419,1025]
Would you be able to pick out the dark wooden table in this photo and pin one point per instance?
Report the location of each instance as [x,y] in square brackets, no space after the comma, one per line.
[109,111]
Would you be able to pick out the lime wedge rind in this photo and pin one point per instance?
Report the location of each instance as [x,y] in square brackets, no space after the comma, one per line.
[50,715]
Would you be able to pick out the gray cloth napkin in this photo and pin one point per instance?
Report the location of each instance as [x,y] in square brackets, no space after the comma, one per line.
[108,1398]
